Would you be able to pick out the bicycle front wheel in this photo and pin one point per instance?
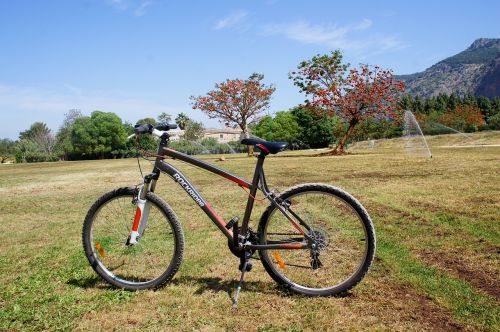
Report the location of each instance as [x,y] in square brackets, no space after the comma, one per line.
[149,263]
[341,230]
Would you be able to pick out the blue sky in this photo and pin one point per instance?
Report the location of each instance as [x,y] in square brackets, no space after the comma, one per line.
[139,58]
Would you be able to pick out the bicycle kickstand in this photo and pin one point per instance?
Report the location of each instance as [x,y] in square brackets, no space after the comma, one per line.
[245,266]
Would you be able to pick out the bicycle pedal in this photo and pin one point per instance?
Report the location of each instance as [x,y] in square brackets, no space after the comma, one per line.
[232,222]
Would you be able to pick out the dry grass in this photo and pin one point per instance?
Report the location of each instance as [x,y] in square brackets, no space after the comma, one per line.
[437,262]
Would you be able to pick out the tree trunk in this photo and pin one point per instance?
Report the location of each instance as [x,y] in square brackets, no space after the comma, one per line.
[339,149]
[246,134]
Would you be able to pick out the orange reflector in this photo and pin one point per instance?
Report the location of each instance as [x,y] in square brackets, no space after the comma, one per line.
[277,257]
[99,248]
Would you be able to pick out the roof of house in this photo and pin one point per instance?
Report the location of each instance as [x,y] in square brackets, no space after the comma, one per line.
[222,131]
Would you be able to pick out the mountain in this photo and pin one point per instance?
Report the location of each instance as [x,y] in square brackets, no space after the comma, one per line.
[475,70]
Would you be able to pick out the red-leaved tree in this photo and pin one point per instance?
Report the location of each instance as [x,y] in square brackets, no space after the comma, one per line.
[351,94]
[236,102]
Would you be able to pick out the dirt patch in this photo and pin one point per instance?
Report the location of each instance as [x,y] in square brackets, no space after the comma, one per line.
[452,264]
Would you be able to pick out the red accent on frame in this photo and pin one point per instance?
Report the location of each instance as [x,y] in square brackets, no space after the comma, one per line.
[291,246]
[295,225]
[238,181]
[220,221]
[137,219]
[263,148]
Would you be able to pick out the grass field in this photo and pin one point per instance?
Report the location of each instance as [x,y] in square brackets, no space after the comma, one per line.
[436,268]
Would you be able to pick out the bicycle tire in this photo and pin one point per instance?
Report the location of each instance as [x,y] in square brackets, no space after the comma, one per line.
[104,236]
[342,218]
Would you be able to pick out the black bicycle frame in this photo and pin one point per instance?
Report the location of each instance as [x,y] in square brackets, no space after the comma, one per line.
[162,166]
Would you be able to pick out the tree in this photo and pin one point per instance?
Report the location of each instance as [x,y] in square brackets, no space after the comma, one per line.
[146,142]
[99,135]
[7,149]
[64,146]
[194,131]
[182,120]
[353,95]
[35,129]
[147,120]
[466,118]
[283,127]
[236,102]
[317,128]
[25,150]
[164,118]
[41,135]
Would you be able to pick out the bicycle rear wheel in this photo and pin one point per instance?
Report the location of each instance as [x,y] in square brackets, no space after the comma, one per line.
[148,264]
[343,233]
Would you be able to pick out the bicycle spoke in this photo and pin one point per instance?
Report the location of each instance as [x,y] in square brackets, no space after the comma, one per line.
[143,261]
[336,230]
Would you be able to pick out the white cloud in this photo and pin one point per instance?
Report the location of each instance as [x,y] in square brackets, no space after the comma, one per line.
[363,25]
[137,7]
[119,4]
[231,20]
[347,37]
[142,9]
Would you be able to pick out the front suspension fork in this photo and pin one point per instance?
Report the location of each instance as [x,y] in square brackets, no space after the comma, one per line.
[142,209]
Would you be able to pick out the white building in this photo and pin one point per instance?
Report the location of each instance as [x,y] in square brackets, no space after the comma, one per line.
[222,135]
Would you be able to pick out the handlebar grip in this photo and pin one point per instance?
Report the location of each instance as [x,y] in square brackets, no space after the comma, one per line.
[143,128]
[166,126]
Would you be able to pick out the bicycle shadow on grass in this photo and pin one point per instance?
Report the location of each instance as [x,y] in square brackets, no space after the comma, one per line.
[211,284]
[89,282]
[229,286]
[204,284]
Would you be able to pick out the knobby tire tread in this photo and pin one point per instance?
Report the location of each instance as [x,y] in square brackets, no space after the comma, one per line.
[290,286]
[172,219]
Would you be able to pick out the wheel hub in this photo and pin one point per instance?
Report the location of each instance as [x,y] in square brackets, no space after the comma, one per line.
[321,238]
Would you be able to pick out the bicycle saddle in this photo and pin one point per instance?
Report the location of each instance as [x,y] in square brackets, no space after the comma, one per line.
[269,147]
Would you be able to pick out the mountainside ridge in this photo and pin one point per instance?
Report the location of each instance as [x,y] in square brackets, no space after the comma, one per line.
[476,70]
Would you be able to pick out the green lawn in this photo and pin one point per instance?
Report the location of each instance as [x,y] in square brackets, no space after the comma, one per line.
[437,263]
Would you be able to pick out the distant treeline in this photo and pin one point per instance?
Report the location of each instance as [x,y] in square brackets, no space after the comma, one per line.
[103,134]
[436,115]
[463,113]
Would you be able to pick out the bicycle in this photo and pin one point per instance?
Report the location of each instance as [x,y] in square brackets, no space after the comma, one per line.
[314,239]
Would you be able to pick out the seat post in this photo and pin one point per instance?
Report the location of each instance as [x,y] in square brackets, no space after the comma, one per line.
[253,192]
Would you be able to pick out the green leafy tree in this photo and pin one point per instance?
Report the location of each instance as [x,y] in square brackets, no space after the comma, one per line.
[27,151]
[147,120]
[182,120]
[317,128]
[194,131]
[64,146]
[34,130]
[406,102]
[283,127]
[7,149]
[147,142]
[164,118]
[99,135]
[41,135]
[494,122]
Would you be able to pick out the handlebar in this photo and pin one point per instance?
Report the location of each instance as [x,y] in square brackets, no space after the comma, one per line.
[157,130]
